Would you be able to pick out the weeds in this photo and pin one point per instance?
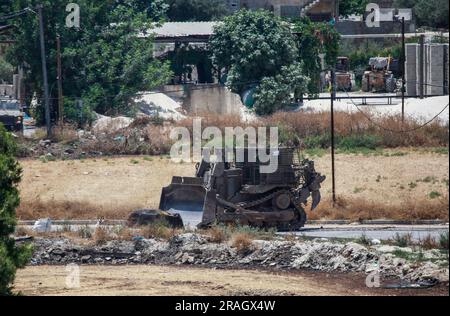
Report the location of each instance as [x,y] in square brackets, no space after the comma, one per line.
[402,240]
[357,209]
[85,232]
[428,243]
[158,230]
[242,242]
[217,233]
[412,185]
[358,190]
[101,235]
[364,240]
[64,134]
[434,194]
[443,240]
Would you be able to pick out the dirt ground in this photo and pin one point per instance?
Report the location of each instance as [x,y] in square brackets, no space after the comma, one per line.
[187,281]
[126,183]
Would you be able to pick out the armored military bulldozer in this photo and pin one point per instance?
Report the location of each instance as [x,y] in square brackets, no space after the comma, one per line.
[238,192]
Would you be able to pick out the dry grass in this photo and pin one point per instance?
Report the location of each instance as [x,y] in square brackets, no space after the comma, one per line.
[296,127]
[62,210]
[159,230]
[429,242]
[101,235]
[358,209]
[392,186]
[216,234]
[242,241]
[64,134]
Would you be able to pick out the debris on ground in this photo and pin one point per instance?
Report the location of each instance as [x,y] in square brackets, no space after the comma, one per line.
[43,225]
[159,104]
[196,249]
[151,217]
[110,124]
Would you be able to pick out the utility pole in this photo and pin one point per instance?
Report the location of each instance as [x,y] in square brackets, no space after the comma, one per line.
[60,91]
[333,178]
[44,71]
[403,68]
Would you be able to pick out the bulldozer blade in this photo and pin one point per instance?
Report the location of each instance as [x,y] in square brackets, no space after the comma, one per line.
[183,194]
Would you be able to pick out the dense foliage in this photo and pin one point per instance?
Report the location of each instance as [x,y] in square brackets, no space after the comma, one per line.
[431,13]
[6,71]
[104,62]
[253,47]
[196,10]
[11,256]
[312,40]
[258,50]
[349,7]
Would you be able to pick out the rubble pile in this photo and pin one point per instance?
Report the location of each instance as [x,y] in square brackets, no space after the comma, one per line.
[195,249]
[108,136]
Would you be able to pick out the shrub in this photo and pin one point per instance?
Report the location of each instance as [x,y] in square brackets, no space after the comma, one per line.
[101,235]
[443,240]
[158,230]
[402,240]
[64,134]
[242,242]
[429,242]
[11,256]
[217,234]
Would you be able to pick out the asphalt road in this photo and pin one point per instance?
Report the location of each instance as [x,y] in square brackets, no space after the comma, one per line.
[352,231]
[381,232]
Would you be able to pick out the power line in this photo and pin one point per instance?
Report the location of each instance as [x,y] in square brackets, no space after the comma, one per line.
[15,14]
[391,130]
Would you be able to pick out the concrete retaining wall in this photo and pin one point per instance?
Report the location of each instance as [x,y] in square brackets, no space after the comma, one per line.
[435,69]
[212,99]
[411,72]
[205,98]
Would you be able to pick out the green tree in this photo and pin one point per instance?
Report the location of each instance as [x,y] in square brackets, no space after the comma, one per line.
[254,47]
[196,10]
[6,71]
[11,256]
[348,7]
[105,63]
[431,13]
[312,40]
[281,90]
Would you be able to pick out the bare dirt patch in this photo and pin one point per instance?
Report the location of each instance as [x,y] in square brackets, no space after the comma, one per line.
[158,280]
[413,185]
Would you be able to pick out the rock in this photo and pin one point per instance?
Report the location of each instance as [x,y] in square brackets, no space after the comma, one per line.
[186,258]
[387,248]
[375,242]
[45,143]
[85,259]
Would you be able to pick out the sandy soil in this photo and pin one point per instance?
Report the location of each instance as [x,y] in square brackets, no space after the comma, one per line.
[132,182]
[185,281]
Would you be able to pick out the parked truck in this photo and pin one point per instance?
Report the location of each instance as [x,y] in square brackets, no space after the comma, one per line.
[11,114]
